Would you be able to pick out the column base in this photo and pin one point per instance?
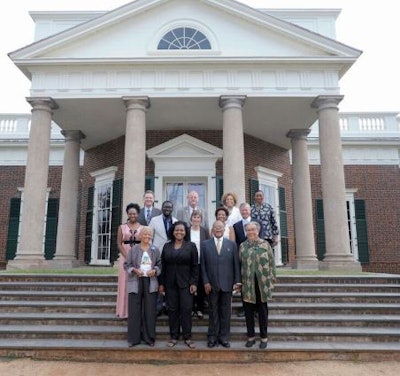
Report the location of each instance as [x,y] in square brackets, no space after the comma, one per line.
[64,263]
[340,263]
[27,264]
[306,264]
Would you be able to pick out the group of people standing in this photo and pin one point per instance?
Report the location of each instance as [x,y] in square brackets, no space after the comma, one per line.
[182,264]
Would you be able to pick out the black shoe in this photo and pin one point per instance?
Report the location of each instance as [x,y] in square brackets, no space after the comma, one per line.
[211,344]
[263,345]
[250,343]
[225,344]
[240,313]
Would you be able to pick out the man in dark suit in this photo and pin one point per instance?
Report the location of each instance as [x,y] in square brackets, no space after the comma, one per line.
[221,273]
[238,233]
[148,211]
[184,214]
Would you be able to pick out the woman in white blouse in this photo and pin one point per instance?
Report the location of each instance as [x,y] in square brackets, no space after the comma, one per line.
[229,200]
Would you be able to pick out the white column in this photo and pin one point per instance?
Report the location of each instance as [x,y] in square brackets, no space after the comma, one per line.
[65,255]
[233,145]
[135,150]
[30,252]
[302,204]
[333,187]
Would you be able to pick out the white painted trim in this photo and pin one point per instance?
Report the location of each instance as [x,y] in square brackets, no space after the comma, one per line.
[268,177]
[102,177]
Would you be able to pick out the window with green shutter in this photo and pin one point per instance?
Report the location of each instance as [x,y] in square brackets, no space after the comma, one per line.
[321,248]
[362,232]
[149,183]
[51,229]
[13,228]
[283,225]
[219,189]
[254,186]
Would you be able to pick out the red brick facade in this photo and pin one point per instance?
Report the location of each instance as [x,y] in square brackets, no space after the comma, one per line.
[379,186]
[12,178]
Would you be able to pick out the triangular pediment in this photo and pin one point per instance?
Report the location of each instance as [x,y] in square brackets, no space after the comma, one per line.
[186,147]
[132,32]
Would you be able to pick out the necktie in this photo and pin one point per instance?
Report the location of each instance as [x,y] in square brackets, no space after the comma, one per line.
[148,216]
[219,245]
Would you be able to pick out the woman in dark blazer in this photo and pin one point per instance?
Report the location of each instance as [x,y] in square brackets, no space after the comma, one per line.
[198,234]
[179,278]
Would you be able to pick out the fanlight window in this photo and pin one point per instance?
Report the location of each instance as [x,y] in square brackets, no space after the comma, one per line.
[184,38]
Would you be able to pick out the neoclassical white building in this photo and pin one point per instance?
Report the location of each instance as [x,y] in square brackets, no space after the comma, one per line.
[177,95]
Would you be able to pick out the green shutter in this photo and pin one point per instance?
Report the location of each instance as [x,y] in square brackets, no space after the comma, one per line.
[51,229]
[13,227]
[89,225]
[321,248]
[149,183]
[362,232]
[219,189]
[283,225]
[254,186]
[115,218]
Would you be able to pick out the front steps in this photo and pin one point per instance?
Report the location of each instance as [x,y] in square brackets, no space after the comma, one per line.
[311,317]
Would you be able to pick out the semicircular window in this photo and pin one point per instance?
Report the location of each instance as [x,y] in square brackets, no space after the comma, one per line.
[184,38]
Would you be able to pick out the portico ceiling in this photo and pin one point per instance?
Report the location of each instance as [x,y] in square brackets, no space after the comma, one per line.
[103,120]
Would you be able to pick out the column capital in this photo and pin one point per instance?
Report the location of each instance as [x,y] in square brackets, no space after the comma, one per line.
[232,101]
[323,102]
[42,103]
[139,103]
[73,135]
[298,134]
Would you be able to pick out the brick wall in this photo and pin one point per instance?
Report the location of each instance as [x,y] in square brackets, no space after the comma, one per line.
[12,178]
[379,186]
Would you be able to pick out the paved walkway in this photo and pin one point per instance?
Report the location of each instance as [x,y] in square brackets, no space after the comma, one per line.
[28,367]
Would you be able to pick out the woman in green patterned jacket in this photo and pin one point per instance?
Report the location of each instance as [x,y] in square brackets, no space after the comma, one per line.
[258,278]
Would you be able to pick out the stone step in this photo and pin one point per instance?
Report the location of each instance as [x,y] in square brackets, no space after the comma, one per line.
[199,333]
[365,278]
[324,297]
[274,307]
[33,277]
[278,297]
[56,306]
[117,351]
[337,287]
[58,295]
[279,288]
[58,286]
[110,319]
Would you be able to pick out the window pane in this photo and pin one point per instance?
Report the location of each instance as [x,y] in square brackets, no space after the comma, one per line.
[184,38]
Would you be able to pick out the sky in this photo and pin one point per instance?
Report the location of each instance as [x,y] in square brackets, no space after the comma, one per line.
[371,85]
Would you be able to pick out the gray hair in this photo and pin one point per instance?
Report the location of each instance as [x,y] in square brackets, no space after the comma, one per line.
[255,223]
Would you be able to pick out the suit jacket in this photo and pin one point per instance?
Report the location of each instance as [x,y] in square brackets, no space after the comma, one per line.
[240,235]
[222,270]
[179,267]
[183,214]
[133,260]
[142,215]
[159,234]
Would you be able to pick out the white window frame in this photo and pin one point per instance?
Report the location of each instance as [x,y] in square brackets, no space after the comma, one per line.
[102,177]
[352,222]
[269,178]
